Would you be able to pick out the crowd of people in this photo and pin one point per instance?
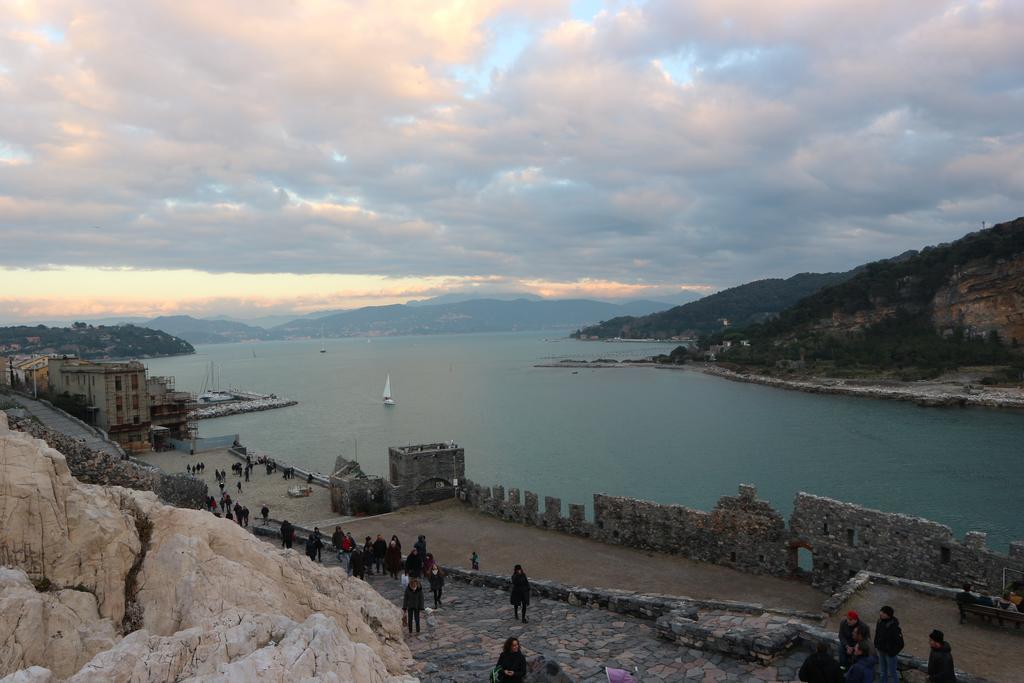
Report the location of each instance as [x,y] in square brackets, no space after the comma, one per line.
[859,654]
[417,570]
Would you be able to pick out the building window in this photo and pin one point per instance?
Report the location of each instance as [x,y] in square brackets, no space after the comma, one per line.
[135,419]
[135,402]
[732,557]
[117,383]
[945,555]
[826,528]
[851,536]
[135,382]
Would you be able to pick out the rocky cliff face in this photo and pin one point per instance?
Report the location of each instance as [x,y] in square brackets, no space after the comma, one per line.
[984,297]
[108,584]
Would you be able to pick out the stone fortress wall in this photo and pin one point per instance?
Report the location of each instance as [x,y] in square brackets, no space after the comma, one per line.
[747,534]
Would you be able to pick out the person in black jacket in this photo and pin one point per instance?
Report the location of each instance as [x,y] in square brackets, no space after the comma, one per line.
[414,563]
[380,549]
[511,664]
[889,643]
[520,591]
[287,534]
[412,602]
[436,578]
[820,667]
[940,659]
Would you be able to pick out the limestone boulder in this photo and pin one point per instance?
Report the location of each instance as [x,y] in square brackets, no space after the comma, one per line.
[33,674]
[199,565]
[241,646]
[53,527]
[61,630]
[211,601]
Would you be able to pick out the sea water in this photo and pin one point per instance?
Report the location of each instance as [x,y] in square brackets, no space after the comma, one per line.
[663,435]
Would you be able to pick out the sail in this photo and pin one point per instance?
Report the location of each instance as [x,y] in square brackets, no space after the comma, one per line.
[387,387]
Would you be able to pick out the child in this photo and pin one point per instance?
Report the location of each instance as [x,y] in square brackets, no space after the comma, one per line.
[475,561]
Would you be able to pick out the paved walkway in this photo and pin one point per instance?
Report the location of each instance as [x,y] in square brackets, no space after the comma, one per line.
[460,642]
[454,531]
[59,422]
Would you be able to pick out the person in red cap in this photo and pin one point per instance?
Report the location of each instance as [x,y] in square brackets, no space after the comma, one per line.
[851,631]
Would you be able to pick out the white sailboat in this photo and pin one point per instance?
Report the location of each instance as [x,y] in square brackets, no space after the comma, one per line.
[323,349]
[388,400]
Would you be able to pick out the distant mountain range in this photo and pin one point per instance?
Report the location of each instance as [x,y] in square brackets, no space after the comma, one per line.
[422,317]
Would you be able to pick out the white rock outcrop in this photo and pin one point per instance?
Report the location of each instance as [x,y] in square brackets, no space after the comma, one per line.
[213,602]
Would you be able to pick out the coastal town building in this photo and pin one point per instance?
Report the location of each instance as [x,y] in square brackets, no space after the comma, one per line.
[32,373]
[171,412]
[115,393]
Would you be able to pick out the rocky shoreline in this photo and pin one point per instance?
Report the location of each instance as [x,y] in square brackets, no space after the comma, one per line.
[928,394]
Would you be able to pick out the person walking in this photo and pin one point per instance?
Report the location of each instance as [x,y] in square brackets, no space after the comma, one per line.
[239,485]
[428,564]
[393,560]
[380,549]
[337,537]
[511,666]
[313,546]
[888,643]
[421,545]
[474,561]
[863,669]
[412,603]
[851,631]
[940,659]
[319,544]
[414,563]
[265,511]
[357,562]
[287,534]
[436,579]
[520,591]
[820,667]
[245,516]
[395,540]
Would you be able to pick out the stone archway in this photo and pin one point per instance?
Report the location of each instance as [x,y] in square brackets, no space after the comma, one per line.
[800,564]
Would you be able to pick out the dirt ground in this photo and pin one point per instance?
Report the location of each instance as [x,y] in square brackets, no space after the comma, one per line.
[453,532]
[994,652]
[260,489]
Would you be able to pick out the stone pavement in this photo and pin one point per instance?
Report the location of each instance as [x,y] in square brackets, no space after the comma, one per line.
[461,642]
[59,422]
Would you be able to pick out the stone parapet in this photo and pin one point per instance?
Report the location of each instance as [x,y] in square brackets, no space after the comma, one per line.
[747,534]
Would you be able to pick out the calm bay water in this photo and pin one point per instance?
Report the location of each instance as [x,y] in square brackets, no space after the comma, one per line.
[668,436]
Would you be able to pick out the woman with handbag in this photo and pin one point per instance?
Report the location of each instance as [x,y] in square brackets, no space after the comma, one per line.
[412,603]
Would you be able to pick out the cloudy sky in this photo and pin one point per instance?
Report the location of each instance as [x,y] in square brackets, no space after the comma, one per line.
[256,156]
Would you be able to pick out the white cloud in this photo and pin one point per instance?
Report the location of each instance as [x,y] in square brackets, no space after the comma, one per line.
[713,141]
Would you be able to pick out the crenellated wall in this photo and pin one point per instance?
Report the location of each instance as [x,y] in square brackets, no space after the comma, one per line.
[847,538]
[747,534]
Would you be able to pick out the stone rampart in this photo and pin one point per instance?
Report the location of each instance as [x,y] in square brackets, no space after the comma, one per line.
[846,538]
[747,534]
[96,467]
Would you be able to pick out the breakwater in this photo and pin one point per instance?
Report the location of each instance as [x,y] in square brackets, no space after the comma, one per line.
[839,539]
[245,405]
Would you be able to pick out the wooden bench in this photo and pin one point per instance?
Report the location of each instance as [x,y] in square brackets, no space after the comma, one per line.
[990,613]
